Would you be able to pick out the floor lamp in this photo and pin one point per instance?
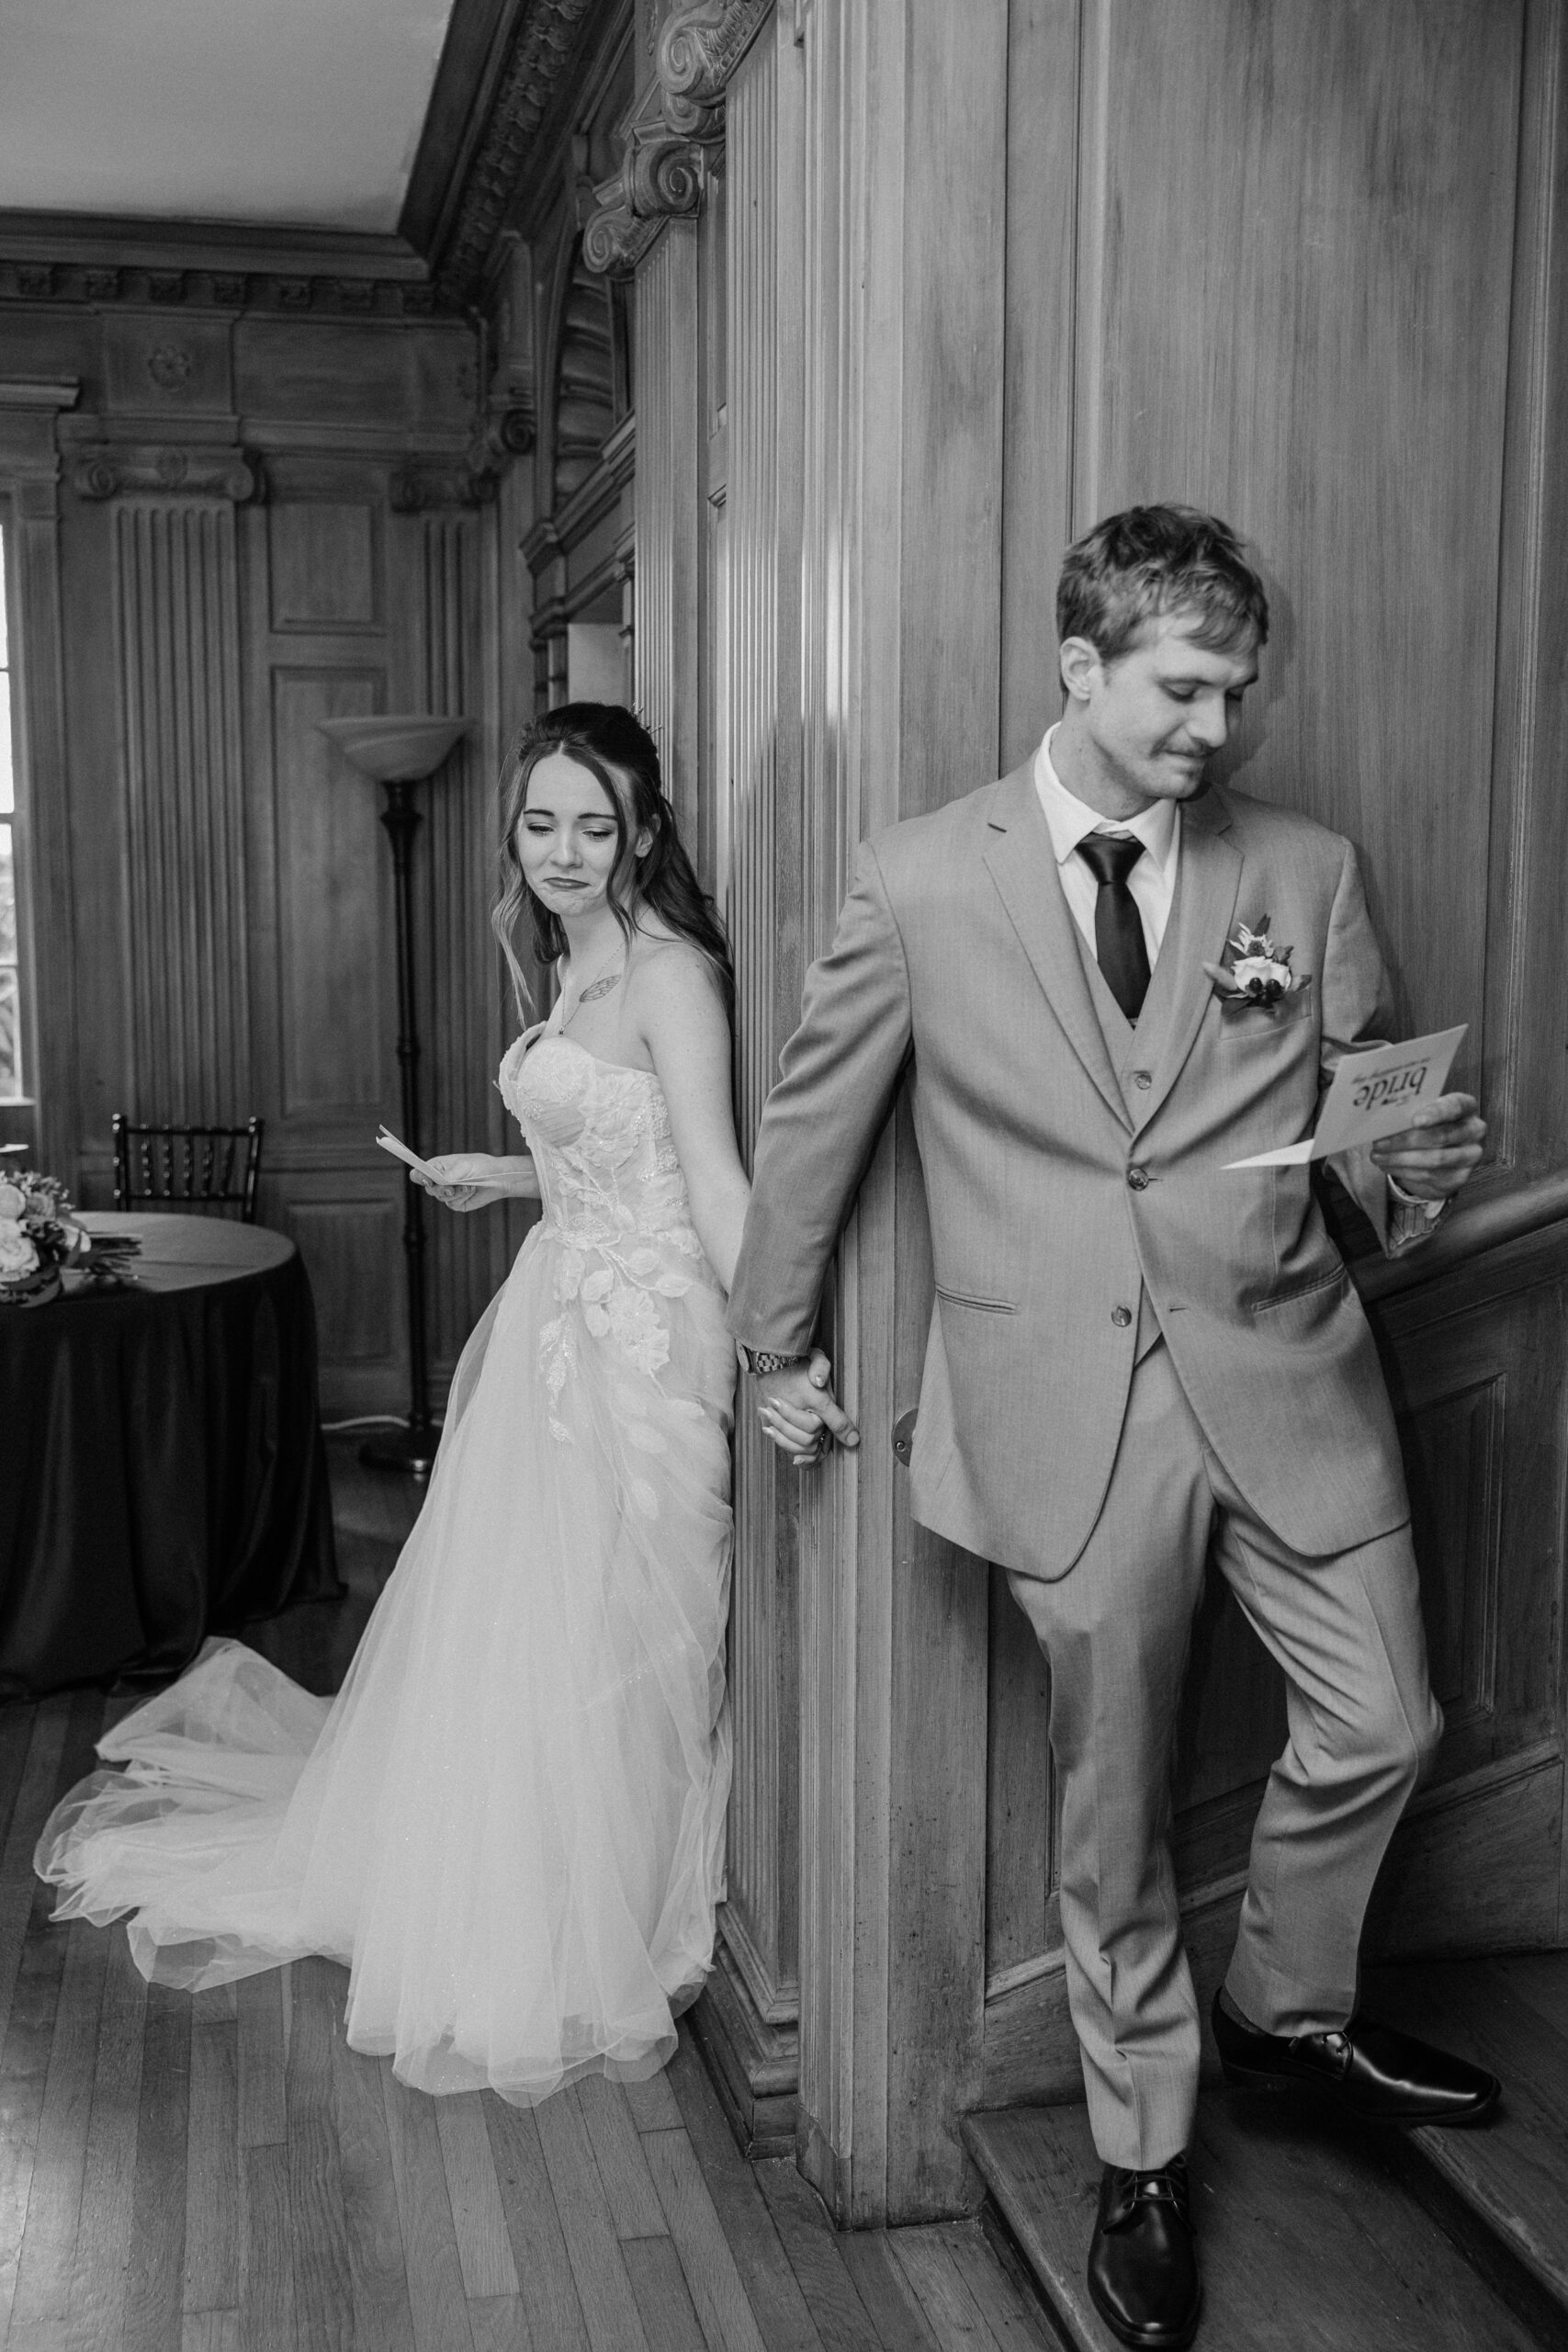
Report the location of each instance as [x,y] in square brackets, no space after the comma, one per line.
[397,754]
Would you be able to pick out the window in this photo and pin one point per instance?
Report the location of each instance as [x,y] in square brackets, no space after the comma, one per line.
[10,983]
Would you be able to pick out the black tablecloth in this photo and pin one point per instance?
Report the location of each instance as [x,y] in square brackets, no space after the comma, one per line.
[162,1470]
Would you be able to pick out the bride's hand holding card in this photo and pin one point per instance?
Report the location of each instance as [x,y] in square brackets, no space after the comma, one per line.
[466,1179]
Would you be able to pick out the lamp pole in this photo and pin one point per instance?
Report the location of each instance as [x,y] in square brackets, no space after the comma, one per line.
[399,753]
[411,1448]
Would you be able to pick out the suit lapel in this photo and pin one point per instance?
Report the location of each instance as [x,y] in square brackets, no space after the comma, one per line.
[1023,864]
[1208,884]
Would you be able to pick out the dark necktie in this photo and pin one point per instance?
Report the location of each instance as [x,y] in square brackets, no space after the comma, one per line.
[1118,927]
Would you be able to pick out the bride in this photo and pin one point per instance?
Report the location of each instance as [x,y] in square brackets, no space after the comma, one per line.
[510,1822]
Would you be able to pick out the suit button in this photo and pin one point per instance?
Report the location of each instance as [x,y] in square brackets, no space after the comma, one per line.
[1121,1317]
[1142,1077]
[1139,1179]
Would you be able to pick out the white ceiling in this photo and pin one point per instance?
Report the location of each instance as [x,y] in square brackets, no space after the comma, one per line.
[293,111]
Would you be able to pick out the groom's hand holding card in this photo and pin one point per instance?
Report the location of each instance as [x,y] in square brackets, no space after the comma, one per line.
[1391,1090]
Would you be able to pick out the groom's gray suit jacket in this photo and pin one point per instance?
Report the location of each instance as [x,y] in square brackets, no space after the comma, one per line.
[1074,1175]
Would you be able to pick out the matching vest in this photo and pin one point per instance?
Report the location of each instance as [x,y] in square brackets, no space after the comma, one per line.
[1122,1044]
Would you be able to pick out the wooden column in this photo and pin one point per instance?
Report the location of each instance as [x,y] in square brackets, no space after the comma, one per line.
[903,212]
[454,660]
[176,595]
[670,513]
[750,2013]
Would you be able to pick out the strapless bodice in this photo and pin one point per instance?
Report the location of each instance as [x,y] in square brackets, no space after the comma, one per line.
[599,1134]
[617,1220]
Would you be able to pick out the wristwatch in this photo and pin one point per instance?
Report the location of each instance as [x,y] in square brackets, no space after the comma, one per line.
[1431,1210]
[767,1359]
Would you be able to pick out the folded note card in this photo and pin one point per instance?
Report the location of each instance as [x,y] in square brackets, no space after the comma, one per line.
[389,1142]
[1372,1094]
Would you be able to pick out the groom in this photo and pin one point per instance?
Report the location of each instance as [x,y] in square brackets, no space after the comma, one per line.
[1139,1362]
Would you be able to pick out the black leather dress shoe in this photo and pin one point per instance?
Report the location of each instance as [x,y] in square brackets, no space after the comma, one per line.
[1143,2264]
[1372,2069]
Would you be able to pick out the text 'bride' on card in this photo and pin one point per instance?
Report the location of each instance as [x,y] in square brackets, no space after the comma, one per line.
[1374,1095]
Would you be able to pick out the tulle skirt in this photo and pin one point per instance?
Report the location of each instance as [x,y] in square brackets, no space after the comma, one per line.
[510,1822]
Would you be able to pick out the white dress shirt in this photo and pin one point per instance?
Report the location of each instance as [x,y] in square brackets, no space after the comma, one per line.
[1152,881]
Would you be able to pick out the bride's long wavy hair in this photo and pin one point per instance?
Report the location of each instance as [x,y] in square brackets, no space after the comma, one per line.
[620,754]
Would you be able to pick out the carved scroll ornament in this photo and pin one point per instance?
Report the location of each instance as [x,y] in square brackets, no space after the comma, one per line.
[701,43]
[660,178]
[117,470]
[664,163]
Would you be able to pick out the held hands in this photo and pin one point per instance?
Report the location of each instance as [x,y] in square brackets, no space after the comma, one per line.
[1434,1155]
[472,1180]
[800,1414]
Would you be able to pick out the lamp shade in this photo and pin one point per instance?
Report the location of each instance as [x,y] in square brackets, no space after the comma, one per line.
[395,749]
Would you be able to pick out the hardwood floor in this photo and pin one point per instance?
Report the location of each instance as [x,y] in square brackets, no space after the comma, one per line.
[222,2174]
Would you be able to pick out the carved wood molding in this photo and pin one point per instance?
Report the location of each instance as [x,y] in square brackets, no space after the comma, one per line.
[30,450]
[422,489]
[661,178]
[543,48]
[1469,1231]
[700,45]
[47,394]
[119,469]
[665,158]
[333,296]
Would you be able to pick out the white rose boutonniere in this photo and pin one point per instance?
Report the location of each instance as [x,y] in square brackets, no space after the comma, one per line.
[1257,971]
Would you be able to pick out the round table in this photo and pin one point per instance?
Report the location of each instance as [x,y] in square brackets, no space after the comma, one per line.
[162,1470]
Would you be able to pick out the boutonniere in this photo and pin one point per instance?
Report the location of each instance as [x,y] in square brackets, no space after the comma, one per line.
[1257,971]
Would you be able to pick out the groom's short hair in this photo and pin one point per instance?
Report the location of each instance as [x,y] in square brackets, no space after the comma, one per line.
[1152,560]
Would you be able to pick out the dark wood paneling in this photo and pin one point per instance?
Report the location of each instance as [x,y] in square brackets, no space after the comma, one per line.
[1454,1445]
[347,1243]
[1042,220]
[1292,304]
[1268,327]
[173,367]
[325,565]
[1485,1343]
[365,376]
[1474,1868]
[229,930]
[332,977]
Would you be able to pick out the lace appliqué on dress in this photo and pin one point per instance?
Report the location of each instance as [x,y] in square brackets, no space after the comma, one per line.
[615,1210]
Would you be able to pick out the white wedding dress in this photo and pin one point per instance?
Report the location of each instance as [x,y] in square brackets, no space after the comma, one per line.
[510,1822]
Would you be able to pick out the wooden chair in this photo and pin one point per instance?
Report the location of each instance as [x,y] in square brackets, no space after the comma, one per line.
[192,1166]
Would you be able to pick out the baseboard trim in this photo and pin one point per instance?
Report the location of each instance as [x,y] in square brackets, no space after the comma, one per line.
[755,2066]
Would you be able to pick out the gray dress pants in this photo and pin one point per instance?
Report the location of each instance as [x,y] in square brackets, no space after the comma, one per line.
[1363,1726]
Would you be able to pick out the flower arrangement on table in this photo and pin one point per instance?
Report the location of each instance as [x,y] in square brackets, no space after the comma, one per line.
[40,1237]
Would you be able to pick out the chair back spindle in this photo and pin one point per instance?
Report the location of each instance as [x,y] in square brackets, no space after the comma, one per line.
[198,1166]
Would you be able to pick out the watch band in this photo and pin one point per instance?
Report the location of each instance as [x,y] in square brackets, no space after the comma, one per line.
[1431,1210]
[768,1359]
